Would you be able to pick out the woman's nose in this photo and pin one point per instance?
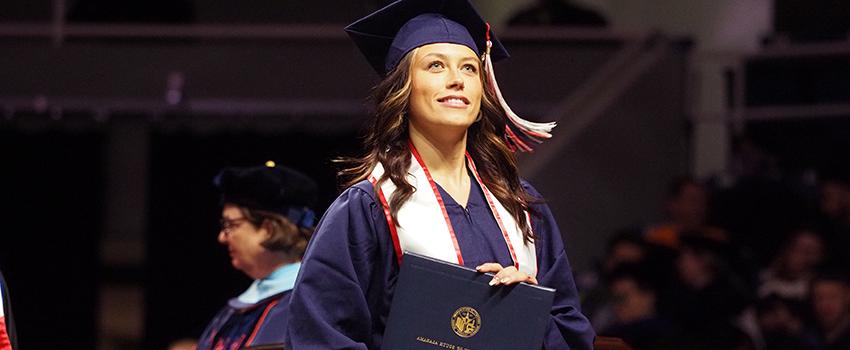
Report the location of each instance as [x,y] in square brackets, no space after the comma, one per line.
[455,79]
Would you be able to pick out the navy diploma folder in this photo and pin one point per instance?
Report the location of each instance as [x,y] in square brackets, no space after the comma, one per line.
[439,305]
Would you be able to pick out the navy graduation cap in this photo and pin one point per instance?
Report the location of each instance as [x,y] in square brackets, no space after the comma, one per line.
[388,34]
[269,187]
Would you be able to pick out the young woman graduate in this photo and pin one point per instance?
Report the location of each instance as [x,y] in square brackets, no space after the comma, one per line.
[265,224]
[439,178]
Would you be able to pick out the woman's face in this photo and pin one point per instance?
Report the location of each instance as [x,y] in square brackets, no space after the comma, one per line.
[446,88]
[243,241]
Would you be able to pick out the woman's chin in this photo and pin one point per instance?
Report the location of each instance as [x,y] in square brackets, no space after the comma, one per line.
[460,123]
[443,127]
[237,264]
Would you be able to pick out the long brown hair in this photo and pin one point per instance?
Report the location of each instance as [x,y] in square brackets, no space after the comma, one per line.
[387,138]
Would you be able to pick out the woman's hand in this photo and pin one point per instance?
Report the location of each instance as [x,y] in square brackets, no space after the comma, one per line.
[505,275]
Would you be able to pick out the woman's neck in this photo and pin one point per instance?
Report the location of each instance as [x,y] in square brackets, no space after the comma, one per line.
[271,261]
[445,156]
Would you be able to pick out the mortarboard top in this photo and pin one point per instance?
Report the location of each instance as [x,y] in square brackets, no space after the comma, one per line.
[388,34]
[270,188]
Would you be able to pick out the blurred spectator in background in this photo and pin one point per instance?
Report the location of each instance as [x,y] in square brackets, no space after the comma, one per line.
[761,206]
[265,224]
[830,298]
[557,13]
[8,339]
[834,217]
[636,320]
[707,297]
[781,324]
[687,210]
[790,273]
[834,205]
[625,247]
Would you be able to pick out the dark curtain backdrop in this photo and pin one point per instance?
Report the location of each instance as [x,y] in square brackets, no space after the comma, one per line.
[51,217]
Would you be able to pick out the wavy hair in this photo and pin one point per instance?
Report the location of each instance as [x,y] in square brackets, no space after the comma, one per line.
[386,142]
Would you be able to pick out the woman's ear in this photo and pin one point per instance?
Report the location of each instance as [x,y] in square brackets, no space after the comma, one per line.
[266,228]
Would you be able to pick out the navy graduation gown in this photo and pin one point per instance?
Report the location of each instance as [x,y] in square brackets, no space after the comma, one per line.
[344,289]
[240,324]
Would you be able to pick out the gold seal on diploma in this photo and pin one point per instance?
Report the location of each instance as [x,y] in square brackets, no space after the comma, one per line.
[466,322]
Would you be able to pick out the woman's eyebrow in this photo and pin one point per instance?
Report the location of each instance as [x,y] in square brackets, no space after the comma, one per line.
[445,57]
[437,54]
[471,59]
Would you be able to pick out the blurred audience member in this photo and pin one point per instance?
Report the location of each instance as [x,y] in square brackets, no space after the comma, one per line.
[834,216]
[636,320]
[781,324]
[707,297]
[687,210]
[762,205]
[791,271]
[624,247]
[830,296]
[834,201]
[557,13]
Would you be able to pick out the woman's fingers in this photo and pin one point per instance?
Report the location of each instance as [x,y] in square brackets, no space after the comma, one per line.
[489,267]
[518,277]
[506,275]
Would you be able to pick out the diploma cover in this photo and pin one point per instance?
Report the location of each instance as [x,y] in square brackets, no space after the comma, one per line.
[439,305]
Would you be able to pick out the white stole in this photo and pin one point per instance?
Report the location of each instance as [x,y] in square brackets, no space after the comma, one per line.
[424,227]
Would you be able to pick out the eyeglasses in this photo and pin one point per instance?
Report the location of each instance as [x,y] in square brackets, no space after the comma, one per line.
[228,225]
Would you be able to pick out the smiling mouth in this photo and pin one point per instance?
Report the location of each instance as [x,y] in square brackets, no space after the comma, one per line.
[454,101]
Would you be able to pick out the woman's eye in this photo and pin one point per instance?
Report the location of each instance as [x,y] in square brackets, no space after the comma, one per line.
[470,68]
[435,65]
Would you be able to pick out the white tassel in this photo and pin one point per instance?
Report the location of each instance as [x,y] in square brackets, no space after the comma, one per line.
[530,130]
